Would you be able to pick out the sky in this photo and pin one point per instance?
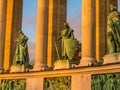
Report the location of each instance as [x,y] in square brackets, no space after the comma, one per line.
[30,11]
[29,20]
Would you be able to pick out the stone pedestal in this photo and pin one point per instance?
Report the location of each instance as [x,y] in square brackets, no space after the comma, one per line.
[62,64]
[13,25]
[17,68]
[39,67]
[111,58]
[88,61]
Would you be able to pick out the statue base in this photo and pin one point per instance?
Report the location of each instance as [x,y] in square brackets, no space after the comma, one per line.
[87,61]
[39,67]
[111,58]
[62,64]
[17,68]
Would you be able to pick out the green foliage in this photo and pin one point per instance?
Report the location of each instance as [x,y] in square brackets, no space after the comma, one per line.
[13,84]
[57,83]
[106,82]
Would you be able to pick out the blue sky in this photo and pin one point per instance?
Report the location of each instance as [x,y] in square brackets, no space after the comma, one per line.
[29,20]
[30,11]
[73,7]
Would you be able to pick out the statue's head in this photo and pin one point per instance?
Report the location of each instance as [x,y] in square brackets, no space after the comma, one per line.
[113,7]
[20,32]
[66,25]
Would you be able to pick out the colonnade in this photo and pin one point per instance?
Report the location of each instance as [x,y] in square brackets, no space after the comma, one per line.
[9,24]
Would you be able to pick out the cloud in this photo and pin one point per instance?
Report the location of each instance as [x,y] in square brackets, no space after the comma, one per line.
[75,24]
[29,21]
[29,27]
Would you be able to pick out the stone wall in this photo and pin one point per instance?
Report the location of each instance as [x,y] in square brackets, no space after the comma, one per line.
[78,78]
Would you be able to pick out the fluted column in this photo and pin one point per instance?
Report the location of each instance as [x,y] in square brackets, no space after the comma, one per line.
[13,25]
[88,33]
[57,18]
[3,5]
[41,35]
[101,24]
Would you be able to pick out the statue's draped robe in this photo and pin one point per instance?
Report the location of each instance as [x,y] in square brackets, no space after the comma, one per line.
[113,32]
[68,43]
[21,53]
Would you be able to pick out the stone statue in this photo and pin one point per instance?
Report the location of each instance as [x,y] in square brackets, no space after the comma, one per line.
[21,55]
[113,30]
[68,42]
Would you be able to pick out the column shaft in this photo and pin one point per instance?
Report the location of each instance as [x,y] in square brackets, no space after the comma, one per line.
[13,25]
[101,21]
[102,11]
[41,35]
[3,6]
[88,32]
[57,18]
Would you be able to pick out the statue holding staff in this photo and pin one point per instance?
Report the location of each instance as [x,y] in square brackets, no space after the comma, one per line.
[68,42]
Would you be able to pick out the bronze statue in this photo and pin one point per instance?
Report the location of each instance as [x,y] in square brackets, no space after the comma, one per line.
[21,55]
[113,30]
[68,42]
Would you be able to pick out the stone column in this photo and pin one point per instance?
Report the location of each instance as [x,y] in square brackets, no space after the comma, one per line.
[88,33]
[3,6]
[102,11]
[57,18]
[101,27]
[13,25]
[41,35]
